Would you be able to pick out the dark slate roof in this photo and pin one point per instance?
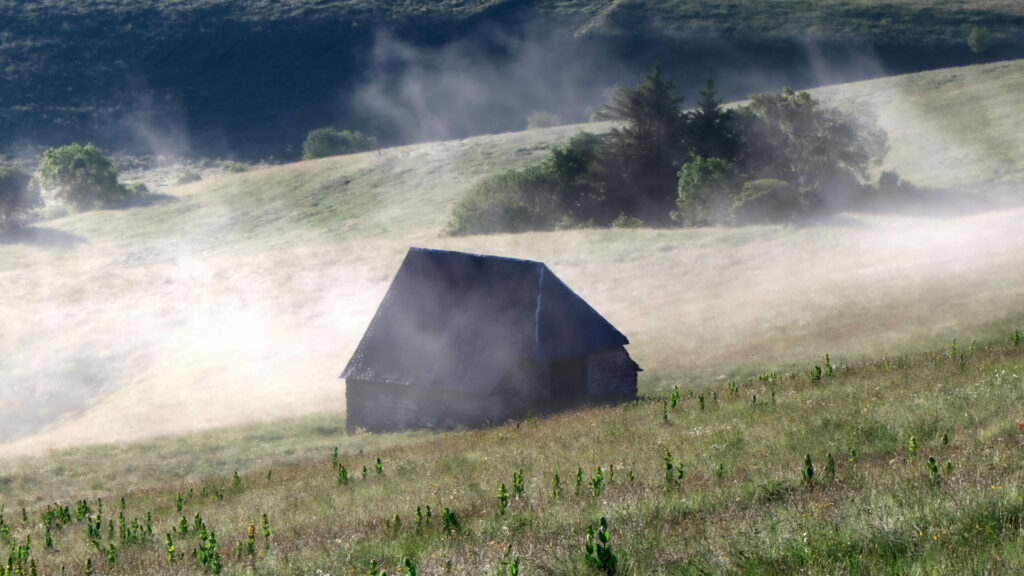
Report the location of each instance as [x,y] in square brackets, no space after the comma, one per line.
[464,321]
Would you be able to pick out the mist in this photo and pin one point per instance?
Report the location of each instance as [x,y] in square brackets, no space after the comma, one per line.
[225,306]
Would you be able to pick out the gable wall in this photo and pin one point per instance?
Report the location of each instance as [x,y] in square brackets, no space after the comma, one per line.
[611,375]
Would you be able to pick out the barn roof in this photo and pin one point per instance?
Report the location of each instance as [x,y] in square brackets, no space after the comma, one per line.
[464,321]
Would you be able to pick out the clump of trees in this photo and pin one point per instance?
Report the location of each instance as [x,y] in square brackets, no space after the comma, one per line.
[84,178]
[324,142]
[78,176]
[781,157]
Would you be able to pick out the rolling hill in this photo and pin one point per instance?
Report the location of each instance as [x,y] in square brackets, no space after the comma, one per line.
[233,77]
[240,297]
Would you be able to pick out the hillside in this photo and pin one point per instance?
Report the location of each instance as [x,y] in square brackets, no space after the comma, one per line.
[240,297]
[233,77]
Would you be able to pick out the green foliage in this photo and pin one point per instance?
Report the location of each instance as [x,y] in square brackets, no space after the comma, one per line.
[449,524]
[599,552]
[979,40]
[169,547]
[16,196]
[542,119]
[579,481]
[675,396]
[808,472]
[912,447]
[379,467]
[410,567]
[517,482]
[81,176]
[705,189]
[815,374]
[647,146]
[187,177]
[596,482]
[624,220]
[342,475]
[830,468]
[1016,338]
[767,201]
[819,151]
[556,487]
[502,496]
[711,131]
[513,201]
[324,142]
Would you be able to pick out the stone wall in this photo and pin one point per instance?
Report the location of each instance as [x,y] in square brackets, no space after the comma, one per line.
[379,406]
[611,375]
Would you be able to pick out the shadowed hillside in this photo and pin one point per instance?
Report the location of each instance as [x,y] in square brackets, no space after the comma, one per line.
[251,78]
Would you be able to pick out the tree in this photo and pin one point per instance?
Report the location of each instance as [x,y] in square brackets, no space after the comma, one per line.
[711,129]
[578,168]
[706,188]
[324,142]
[16,195]
[647,148]
[789,136]
[81,176]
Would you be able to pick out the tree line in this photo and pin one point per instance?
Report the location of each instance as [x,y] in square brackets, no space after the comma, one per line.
[780,157]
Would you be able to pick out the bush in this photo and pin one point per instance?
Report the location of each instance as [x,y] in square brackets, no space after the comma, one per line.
[16,195]
[979,40]
[81,176]
[514,201]
[324,142]
[542,119]
[706,188]
[625,221]
[188,177]
[766,201]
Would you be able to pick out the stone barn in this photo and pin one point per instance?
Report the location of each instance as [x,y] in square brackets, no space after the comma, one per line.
[464,340]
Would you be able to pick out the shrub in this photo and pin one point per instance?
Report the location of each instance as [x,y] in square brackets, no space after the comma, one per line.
[979,40]
[542,119]
[706,187]
[81,176]
[513,201]
[238,167]
[626,221]
[187,177]
[16,195]
[324,142]
[763,201]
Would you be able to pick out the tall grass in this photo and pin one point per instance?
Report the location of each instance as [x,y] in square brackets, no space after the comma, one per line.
[742,506]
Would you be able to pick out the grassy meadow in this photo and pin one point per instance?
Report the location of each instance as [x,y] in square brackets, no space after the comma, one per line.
[204,333]
[734,500]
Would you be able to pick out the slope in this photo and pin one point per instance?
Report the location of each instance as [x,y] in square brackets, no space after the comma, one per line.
[242,296]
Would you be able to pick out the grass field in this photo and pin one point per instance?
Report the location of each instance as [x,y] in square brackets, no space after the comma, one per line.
[741,505]
[218,319]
